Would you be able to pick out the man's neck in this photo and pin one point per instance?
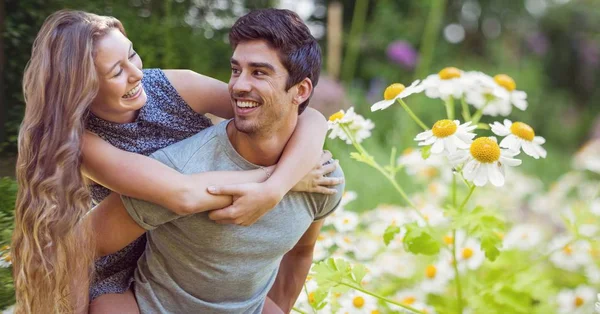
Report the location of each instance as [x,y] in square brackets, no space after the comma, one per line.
[262,150]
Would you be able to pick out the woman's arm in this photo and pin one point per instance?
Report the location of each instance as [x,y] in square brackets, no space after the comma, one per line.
[142,177]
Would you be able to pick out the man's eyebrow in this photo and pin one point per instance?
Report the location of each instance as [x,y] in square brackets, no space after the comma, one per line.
[117,63]
[255,64]
[262,65]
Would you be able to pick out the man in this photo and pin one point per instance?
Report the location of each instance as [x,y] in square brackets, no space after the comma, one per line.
[194,265]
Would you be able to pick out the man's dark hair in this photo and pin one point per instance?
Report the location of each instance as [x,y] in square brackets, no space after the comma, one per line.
[284,31]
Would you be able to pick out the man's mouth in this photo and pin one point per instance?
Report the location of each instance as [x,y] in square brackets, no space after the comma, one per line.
[246,104]
[133,93]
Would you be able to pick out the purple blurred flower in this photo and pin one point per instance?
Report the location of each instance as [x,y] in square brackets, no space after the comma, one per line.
[402,53]
[537,43]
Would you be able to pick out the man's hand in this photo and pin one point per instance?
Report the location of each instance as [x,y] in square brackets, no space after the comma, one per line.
[316,181]
[250,202]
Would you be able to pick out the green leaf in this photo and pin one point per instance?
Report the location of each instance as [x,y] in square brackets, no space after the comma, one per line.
[484,225]
[358,272]
[390,233]
[419,241]
[426,152]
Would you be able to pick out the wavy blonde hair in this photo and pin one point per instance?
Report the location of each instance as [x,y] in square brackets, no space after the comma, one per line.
[52,244]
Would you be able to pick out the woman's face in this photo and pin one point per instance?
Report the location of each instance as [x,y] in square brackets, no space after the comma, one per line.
[120,77]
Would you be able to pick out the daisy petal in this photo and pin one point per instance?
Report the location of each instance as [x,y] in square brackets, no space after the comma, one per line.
[380,105]
[481,176]
[530,150]
[437,147]
[496,177]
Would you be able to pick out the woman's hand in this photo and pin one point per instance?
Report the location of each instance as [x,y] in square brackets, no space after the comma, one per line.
[250,202]
[316,180]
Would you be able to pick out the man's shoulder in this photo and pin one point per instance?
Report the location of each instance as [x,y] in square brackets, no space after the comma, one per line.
[178,154]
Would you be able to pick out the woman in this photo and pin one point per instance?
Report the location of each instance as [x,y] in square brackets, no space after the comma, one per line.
[84,73]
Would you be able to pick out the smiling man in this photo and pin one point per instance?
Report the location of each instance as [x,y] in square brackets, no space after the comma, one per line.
[192,264]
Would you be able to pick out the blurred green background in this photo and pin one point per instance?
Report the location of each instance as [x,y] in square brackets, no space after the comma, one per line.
[550,47]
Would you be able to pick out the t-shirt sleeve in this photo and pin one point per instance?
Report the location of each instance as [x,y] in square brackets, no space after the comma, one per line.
[149,215]
[330,203]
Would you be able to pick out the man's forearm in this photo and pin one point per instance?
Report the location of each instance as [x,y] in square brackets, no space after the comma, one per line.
[291,277]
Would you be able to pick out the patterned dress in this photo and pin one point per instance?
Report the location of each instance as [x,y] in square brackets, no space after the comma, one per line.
[165,119]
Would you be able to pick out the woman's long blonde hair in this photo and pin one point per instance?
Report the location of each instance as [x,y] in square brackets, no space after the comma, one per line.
[52,244]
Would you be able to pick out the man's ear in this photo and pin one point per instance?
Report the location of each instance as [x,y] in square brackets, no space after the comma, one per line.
[304,90]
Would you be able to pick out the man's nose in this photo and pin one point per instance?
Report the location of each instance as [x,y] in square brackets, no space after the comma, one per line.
[241,84]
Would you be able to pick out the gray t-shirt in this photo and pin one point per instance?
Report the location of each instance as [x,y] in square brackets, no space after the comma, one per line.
[192,264]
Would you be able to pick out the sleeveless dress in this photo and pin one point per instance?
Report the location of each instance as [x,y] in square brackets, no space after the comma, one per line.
[164,120]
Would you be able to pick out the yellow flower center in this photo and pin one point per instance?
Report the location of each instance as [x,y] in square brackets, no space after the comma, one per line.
[311,298]
[449,73]
[444,128]
[374,312]
[500,235]
[392,91]
[522,130]
[7,257]
[4,248]
[347,240]
[448,240]
[467,253]
[430,271]
[321,237]
[485,150]
[337,116]
[358,302]
[568,250]
[409,300]
[578,301]
[506,82]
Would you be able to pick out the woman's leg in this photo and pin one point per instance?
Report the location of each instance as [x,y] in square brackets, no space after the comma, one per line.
[115,303]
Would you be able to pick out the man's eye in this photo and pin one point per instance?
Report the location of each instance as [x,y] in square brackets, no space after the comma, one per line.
[259,73]
[235,71]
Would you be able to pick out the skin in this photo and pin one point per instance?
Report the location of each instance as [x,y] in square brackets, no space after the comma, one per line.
[119,71]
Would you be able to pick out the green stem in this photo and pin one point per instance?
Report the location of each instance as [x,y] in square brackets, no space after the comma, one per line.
[466,113]
[412,114]
[356,30]
[456,274]
[455,260]
[382,298]
[450,107]
[479,113]
[462,206]
[299,310]
[430,37]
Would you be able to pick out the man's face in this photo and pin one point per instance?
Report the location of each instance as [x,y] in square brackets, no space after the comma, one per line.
[257,88]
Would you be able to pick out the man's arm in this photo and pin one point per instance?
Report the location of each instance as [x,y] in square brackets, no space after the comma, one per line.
[294,268]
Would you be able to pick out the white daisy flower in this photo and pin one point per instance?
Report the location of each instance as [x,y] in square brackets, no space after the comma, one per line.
[445,84]
[408,297]
[345,242]
[437,276]
[342,122]
[485,161]
[519,135]
[365,248]
[577,301]
[345,222]
[427,169]
[356,302]
[348,197]
[396,91]
[430,215]
[469,254]
[570,257]
[509,94]
[523,237]
[447,136]
[485,94]
[400,265]
[5,257]
[588,157]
